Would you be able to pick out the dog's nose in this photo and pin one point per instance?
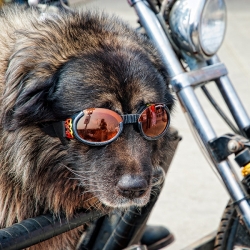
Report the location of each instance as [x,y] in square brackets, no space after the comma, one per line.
[132,186]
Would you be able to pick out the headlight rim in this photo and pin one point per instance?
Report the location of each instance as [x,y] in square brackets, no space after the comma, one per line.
[204,50]
[189,39]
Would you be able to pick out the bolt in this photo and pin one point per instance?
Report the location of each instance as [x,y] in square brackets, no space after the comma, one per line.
[233,146]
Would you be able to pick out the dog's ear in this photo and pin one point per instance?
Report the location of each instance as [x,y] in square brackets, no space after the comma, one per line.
[28,94]
[32,74]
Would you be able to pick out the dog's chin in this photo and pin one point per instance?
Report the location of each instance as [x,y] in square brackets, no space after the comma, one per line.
[122,202]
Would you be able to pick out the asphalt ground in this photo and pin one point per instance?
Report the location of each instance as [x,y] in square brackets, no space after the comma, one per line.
[193,198]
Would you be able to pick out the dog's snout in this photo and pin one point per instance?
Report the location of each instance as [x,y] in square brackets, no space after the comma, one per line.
[132,186]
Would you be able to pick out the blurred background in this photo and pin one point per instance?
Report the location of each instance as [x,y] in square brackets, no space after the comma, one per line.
[193,199]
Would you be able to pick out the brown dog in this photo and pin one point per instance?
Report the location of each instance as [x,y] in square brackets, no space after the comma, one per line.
[51,67]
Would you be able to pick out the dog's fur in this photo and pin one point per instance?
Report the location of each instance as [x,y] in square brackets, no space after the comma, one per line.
[51,67]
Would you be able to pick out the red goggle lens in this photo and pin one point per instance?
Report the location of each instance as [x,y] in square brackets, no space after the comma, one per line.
[154,120]
[98,125]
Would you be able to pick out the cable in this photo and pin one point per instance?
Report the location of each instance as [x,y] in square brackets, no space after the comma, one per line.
[219,110]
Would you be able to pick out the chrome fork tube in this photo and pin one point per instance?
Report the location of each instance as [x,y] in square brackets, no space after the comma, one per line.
[232,100]
[202,125]
[190,103]
[156,34]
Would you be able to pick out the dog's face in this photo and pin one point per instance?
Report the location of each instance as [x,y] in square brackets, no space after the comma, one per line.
[95,67]
[120,173]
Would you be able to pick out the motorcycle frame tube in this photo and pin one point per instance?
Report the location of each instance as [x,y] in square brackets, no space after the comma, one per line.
[232,99]
[191,105]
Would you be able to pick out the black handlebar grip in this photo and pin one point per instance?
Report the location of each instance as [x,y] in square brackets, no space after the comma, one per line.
[41,228]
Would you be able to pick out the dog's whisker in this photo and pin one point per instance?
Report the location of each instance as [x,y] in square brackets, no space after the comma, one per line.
[93,190]
[78,172]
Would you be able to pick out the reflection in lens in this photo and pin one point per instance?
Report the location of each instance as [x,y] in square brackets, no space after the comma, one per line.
[98,125]
[154,120]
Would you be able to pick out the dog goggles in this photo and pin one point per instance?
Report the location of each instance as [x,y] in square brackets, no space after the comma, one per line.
[100,126]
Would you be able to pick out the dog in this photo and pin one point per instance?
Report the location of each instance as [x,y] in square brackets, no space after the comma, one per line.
[53,66]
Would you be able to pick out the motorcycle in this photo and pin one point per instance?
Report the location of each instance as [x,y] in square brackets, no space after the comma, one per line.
[187,35]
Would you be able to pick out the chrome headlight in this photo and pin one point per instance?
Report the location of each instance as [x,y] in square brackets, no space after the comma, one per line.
[198,27]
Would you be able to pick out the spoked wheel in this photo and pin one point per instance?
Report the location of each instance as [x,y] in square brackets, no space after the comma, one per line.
[232,233]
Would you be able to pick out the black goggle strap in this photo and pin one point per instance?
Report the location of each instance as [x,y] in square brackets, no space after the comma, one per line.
[64,131]
[55,129]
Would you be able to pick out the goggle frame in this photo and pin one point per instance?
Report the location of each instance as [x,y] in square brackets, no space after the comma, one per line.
[126,119]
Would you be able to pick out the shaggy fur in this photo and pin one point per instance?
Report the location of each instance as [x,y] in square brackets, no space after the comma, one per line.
[51,67]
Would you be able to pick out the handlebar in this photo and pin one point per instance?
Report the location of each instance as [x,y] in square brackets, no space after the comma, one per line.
[41,228]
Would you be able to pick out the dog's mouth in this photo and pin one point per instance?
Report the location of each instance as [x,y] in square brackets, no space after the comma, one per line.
[130,190]
[132,198]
